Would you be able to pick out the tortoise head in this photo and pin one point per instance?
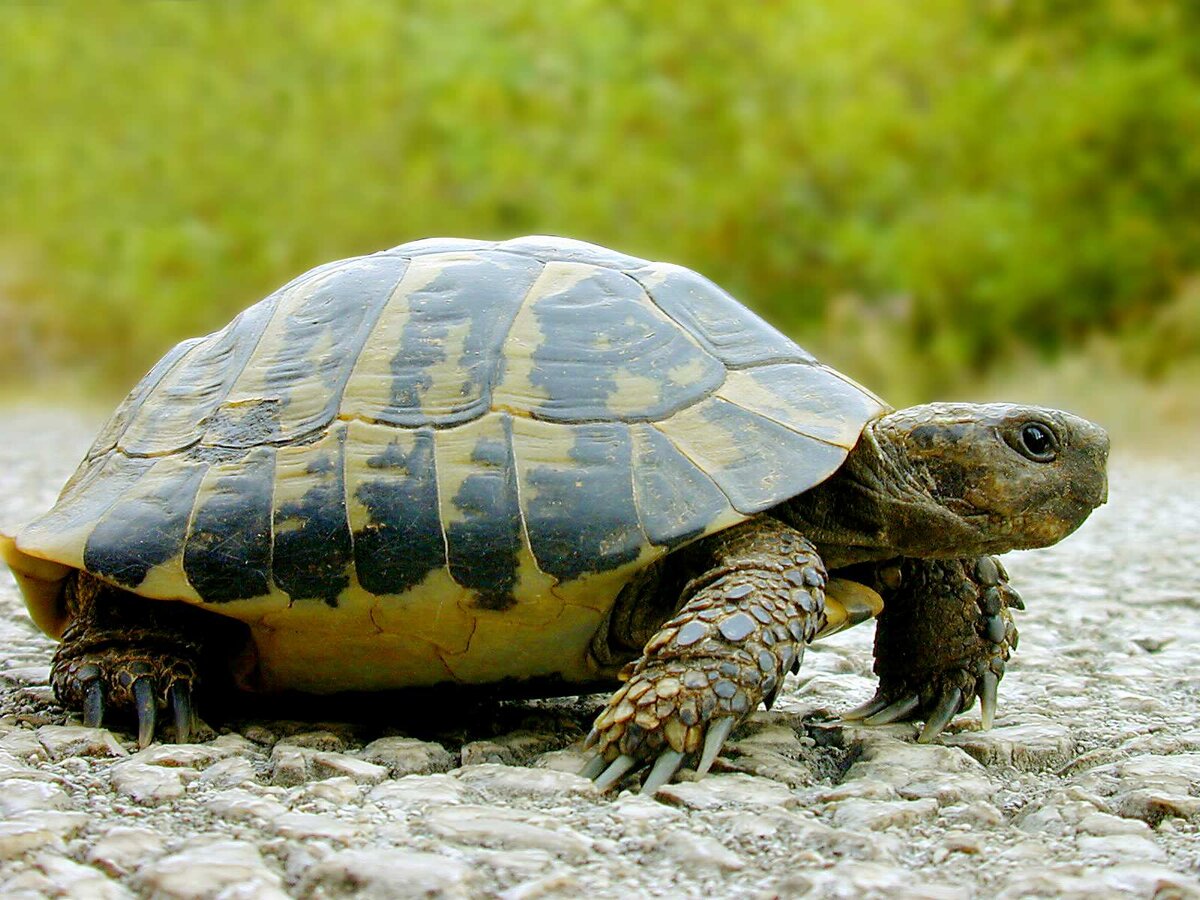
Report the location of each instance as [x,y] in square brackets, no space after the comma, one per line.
[988,478]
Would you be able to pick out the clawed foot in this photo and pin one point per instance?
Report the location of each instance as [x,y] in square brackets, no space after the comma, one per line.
[938,696]
[674,710]
[100,681]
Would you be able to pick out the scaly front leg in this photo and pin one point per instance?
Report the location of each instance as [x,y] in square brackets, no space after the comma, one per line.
[756,601]
[943,638]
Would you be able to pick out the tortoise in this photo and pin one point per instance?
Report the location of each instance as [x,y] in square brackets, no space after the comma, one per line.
[546,467]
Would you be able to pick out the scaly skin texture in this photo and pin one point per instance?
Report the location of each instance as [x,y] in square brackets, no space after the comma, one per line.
[757,600]
[944,633]
[122,652]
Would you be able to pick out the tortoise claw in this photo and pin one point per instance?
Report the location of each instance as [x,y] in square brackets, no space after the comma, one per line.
[181,704]
[713,742]
[664,770]
[615,771]
[147,712]
[895,711]
[593,767]
[946,709]
[866,710]
[93,695]
[988,688]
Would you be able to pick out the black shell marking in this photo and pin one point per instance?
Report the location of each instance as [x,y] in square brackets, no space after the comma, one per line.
[484,539]
[313,549]
[677,501]
[580,511]
[401,542]
[598,333]
[147,524]
[228,552]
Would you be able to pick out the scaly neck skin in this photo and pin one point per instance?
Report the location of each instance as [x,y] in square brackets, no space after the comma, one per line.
[877,506]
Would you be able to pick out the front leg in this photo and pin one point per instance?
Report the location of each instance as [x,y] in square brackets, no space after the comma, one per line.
[943,639]
[755,599]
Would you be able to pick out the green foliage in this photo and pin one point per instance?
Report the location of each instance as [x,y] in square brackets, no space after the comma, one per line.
[961,179]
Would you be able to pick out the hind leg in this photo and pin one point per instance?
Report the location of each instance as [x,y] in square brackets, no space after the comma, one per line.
[943,639]
[124,652]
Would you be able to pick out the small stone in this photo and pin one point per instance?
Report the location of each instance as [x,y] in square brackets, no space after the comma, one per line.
[978,814]
[506,829]
[382,874]
[1030,747]
[728,790]
[514,749]
[693,852]
[38,828]
[1152,805]
[204,870]
[228,772]
[180,756]
[243,805]
[519,781]
[1141,879]
[316,740]
[72,879]
[415,791]
[876,815]
[23,744]
[859,789]
[408,756]
[74,740]
[1103,825]
[559,886]
[325,765]
[313,826]
[120,850]
[1123,847]
[290,765]
[148,785]
[341,791]
[18,795]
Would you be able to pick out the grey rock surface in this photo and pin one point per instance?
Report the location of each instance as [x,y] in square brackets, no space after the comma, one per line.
[1088,786]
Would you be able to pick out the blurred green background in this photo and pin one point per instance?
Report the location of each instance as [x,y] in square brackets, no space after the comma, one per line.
[942,197]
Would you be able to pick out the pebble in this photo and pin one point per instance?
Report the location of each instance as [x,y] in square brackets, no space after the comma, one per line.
[63,741]
[408,756]
[416,791]
[1031,747]
[120,850]
[728,790]
[520,781]
[72,879]
[148,785]
[29,830]
[507,829]
[876,815]
[211,868]
[18,795]
[244,805]
[696,852]
[314,826]
[383,874]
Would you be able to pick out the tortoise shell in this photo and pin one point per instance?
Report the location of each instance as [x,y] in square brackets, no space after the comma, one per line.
[443,461]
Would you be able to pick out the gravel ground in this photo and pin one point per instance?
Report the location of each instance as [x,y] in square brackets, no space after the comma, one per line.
[1089,786]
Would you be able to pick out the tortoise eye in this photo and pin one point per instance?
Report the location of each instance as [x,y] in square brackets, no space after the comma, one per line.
[1037,442]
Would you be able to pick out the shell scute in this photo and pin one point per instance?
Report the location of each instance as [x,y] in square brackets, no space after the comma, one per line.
[392,491]
[599,351]
[227,555]
[433,355]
